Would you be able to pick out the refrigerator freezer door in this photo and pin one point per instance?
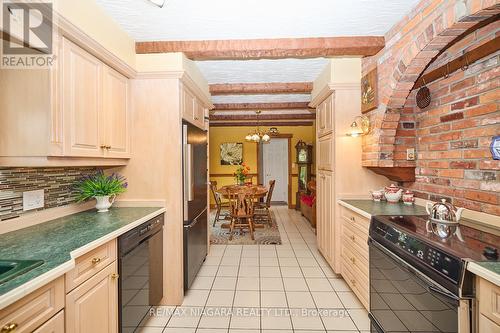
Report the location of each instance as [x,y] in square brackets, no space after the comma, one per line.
[195,247]
[195,171]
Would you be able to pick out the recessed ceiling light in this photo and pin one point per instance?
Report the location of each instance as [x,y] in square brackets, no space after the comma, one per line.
[159,3]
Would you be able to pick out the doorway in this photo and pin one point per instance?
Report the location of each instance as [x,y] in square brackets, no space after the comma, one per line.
[275,166]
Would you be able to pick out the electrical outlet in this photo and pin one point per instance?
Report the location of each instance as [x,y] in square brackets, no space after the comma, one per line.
[33,199]
[410,154]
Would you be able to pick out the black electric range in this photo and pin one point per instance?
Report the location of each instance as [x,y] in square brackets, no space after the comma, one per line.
[418,281]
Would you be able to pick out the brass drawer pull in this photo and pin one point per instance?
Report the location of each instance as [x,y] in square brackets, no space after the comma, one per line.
[353,219]
[96,260]
[353,282]
[115,276]
[353,238]
[353,260]
[10,327]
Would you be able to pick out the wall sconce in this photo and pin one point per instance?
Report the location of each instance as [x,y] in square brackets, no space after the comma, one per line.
[360,126]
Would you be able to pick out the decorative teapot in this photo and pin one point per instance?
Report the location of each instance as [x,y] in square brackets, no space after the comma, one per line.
[443,212]
[393,193]
[377,195]
[408,197]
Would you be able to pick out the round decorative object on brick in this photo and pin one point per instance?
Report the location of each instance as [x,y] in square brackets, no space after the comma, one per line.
[423,97]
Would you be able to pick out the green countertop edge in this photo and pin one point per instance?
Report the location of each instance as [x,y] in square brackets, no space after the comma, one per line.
[384,208]
[53,241]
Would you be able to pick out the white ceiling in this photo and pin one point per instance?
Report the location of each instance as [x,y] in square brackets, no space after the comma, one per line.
[245,19]
[256,71]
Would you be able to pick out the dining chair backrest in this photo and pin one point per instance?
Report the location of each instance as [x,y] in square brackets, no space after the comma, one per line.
[213,189]
[241,203]
[270,192]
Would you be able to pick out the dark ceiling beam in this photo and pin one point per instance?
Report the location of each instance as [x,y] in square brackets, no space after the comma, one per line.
[261,88]
[253,117]
[261,106]
[262,123]
[268,48]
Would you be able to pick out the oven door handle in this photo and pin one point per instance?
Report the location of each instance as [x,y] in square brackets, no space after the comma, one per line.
[441,292]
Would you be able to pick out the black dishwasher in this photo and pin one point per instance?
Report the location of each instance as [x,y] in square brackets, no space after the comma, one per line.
[140,255]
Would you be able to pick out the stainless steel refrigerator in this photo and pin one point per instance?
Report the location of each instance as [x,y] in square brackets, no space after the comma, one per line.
[195,200]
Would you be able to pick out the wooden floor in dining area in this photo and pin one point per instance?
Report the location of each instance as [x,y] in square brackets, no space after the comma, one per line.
[266,288]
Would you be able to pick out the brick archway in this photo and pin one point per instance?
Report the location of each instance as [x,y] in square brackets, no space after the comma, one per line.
[411,45]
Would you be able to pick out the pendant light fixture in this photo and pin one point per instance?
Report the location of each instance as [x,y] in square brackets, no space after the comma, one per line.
[258,136]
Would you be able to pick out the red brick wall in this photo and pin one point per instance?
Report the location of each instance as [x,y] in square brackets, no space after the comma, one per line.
[453,134]
[411,45]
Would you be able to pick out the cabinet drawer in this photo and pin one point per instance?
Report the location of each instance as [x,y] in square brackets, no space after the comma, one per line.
[354,218]
[359,287]
[489,300]
[486,325]
[357,261]
[355,236]
[90,263]
[33,310]
[53,325]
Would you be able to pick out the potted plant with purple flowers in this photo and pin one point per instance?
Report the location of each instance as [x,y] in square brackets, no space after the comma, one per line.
[101,187]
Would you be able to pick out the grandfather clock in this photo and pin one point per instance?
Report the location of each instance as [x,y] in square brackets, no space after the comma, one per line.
[304,163]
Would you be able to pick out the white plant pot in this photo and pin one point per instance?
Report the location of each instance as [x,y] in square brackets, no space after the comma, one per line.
[103,203]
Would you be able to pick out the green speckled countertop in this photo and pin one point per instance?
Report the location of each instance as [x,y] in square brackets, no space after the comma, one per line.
[384,208]
[53,241]
[488,270]
[491,266]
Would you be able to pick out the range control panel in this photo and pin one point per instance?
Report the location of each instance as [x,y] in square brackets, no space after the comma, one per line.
[446,265]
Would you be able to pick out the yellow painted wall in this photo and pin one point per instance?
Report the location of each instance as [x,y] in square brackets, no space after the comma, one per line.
[220,135]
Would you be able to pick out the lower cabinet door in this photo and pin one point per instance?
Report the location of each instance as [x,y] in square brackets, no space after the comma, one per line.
[93,306]
[53,325]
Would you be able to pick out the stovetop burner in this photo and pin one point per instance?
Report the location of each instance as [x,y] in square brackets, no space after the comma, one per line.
[471,247]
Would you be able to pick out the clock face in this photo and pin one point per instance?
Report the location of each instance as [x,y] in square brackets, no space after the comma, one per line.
[303,155]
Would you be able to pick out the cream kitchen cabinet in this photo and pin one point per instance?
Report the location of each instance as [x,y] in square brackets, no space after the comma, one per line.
[95,104]
[354,253]
[325,116]
[74,113]
[92,307]
[325,153]
[33,310]
[192,108]
[324,205]
[488,297]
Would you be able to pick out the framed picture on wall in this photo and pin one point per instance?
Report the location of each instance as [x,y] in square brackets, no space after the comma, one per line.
[369,91]
[231,153]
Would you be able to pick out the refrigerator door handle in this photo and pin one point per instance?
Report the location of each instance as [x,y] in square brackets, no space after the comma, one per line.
[188,173]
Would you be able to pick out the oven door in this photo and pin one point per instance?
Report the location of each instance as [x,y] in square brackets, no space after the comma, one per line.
[402,299]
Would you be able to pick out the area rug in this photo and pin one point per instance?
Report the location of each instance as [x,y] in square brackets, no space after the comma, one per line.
[269,234]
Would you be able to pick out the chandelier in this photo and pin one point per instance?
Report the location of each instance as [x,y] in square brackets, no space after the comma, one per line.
[258,136]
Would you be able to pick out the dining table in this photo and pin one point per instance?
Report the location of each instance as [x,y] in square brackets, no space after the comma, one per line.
[260,190]
[259,194]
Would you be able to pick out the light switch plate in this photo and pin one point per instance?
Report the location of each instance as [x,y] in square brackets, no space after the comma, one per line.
[410,154]
[33,199]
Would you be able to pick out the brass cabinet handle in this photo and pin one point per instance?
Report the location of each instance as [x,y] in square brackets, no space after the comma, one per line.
[115,276]
[9,327]
[102,146]
[108,147]
[96,260]
[353,282]
[353,219]
[353,238]
[353,260]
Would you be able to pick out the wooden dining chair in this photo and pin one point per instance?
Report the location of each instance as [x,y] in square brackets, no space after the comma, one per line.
[219,204]
[266,205]
[241,208]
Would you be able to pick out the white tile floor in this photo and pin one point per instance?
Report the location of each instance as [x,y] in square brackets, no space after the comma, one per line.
[267,288]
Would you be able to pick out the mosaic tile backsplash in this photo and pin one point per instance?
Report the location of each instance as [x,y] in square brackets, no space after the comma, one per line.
[58,184]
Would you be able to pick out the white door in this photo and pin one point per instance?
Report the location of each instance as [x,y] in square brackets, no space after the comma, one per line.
[275,166]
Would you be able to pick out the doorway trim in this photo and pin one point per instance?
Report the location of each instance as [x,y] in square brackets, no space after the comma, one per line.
[259,161]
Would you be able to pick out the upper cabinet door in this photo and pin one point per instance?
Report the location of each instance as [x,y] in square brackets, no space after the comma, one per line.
[116,114]
[324,116]
[81,101]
